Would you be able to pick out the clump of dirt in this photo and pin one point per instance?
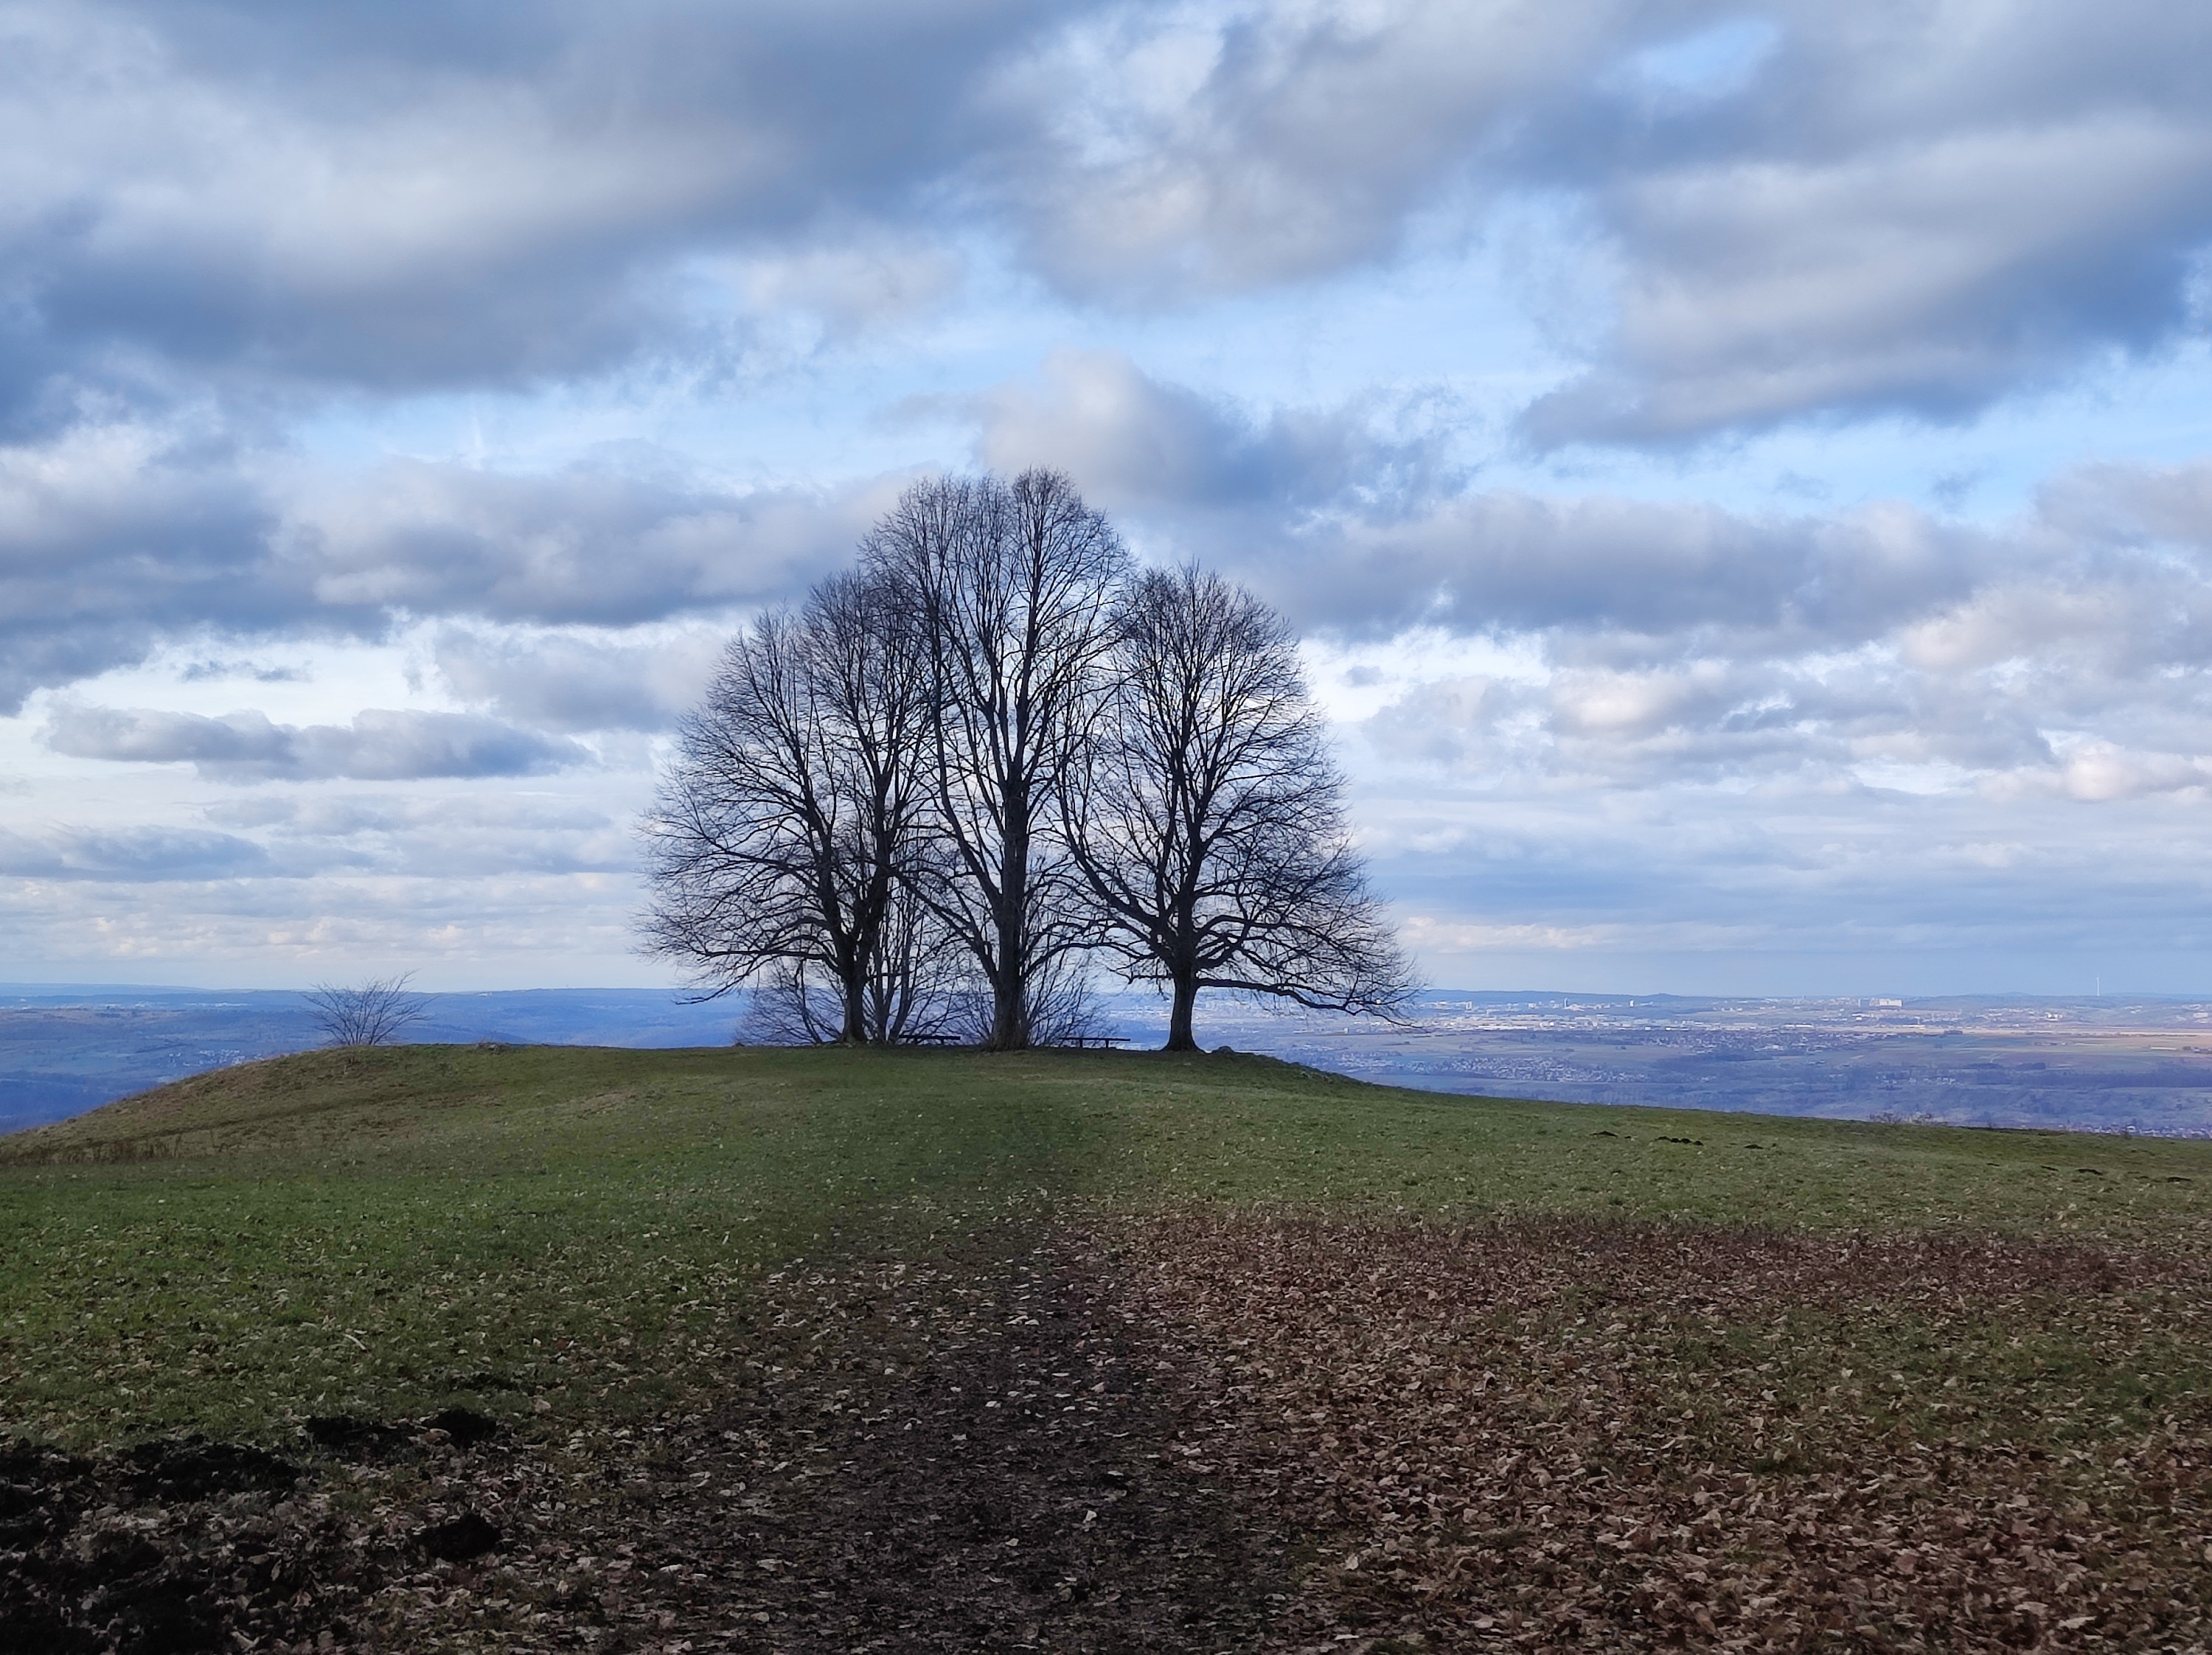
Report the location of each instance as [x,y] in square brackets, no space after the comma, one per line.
[468,1536]
[146,1552]
[465,1425]
[193,1468]
[181,1544]
[348,1437]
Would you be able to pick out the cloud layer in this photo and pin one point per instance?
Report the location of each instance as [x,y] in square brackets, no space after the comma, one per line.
[216,215]
[1905,205]
[721,280]
[376,746]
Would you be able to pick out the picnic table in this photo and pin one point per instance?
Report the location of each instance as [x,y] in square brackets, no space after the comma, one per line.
[929,1040]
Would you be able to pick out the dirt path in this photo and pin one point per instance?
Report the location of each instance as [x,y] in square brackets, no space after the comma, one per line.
[1028,1483]
[975,1454]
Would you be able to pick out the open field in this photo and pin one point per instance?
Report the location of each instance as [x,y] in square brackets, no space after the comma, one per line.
[2084,1064]
[756,1349]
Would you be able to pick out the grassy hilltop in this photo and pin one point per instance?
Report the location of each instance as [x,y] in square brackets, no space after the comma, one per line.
[1416,1366]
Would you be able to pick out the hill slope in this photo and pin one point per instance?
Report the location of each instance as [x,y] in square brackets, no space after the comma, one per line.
[1543,1366]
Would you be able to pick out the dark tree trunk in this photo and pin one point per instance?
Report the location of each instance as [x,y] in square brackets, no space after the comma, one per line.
[1180,1037]
[1010,997]
[1010,1028]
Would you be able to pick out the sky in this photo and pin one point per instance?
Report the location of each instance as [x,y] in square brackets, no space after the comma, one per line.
[1743,472]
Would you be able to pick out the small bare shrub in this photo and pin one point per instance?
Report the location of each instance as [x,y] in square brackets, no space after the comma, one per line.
[369,1014]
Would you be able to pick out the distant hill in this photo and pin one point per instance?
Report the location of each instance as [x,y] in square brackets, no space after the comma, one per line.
[65,1048]
[2140,1064]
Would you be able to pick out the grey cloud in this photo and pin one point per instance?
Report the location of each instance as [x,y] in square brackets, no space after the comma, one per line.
[1935,278]
[1897,877]
[377,746]
[134,855]
[390,202]
[853,281]
[591,544]
[1134,443]
[115,539]
[1509,561]
[568,682]
[1712,720]
[1214,149]
[1896,206]
[1352,520]
[211,671]
[343,815]
[2067,654]
[1914,207]
[2135,504]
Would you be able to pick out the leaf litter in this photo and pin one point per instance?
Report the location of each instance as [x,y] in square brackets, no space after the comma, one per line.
[1200,1434]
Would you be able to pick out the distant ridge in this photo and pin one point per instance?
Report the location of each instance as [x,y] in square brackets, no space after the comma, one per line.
[2134,1062]
[65,1048]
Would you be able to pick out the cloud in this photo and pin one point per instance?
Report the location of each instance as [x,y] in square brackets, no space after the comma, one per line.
[130,855]
[1808,210]
[2061,671]
[1218,148]
[1917,209]
[213,671]
[1134,443]
[2135,504]
[1775,892]
[118,538]
[1503,560]
[112,536]
[2067,652]
[377,746]
[2098,771]
[400,201]
[570,683]
[595,544]
[1935,278]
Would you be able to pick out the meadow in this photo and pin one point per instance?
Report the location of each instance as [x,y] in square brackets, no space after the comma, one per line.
[750,1348]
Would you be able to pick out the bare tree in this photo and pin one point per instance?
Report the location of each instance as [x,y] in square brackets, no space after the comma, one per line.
[1208,818]
[918,989]
[781,841]
[1013,587]
[369,1014]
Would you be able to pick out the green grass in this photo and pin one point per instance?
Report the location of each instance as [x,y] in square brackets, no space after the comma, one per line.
[382,1233]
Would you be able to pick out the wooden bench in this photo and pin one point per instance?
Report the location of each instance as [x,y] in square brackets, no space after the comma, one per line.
[1070,1043]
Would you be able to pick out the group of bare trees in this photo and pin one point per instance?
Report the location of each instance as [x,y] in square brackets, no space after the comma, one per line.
[924,804]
